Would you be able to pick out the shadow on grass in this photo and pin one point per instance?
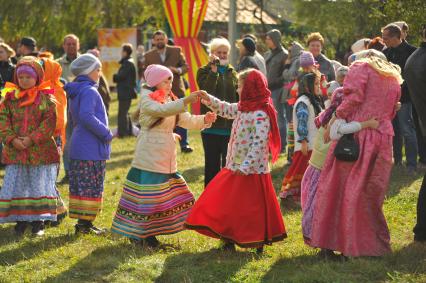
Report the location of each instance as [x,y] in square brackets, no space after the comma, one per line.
[209,266]
[99,264]
[33,248]
[409,261]
[118,164]
[400,179]
[193,174]
[7,234]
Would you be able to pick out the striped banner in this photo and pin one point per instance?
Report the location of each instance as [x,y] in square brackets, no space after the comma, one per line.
[186,18]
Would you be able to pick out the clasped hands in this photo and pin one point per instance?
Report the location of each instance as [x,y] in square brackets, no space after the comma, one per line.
[21,143]
[209,117]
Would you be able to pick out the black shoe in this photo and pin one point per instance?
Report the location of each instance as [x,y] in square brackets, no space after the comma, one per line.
[152,242]
[229,247]
[88,228]
[259,250]
[20,228]
[186,149]
[136,242]
[37,228]
[65,180]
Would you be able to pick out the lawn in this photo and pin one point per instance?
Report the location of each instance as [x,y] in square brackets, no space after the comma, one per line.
[60,256]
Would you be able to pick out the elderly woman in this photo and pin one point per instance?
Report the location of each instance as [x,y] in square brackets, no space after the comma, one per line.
[315,44]
[348,216]
[219,79]
[6,66]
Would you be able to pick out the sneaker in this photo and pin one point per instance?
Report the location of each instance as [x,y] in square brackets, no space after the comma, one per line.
[186,149]
[152,242]
[37,228]
[20,228]
[88,229]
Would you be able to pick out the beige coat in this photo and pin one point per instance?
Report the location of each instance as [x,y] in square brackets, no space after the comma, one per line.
[156,147]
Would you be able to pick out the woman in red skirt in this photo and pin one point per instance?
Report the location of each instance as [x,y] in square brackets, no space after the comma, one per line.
[306,108]
[239,205]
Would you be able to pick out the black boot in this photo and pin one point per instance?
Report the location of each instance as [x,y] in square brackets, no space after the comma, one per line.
[228,246]
[86,227]
[152,242]
[20,228]
[37,228]
[259,250]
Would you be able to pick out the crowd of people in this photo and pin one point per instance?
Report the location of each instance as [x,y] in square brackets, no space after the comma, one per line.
[342,129]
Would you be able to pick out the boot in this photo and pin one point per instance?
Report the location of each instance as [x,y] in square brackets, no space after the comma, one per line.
[152,242]
[228,246]
[86,227]
[20,228]
[37,228]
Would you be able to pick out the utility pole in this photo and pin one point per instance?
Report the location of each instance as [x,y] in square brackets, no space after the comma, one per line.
[232,30]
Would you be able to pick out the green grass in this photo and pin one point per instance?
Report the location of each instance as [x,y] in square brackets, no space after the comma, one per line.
[189,257]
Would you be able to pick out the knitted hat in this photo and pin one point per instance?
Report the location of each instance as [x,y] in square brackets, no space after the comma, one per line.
[306,59]
[249,44]
[85,64]
[28,70]
[29,62]
[155,74]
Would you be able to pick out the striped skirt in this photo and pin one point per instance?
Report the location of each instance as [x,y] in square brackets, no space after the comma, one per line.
[152,204]
[86,188]
[28,193]
[293,178]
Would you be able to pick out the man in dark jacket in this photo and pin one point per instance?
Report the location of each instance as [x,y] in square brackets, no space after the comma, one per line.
[415,77]
[397,52]
[275,62]
[126,85]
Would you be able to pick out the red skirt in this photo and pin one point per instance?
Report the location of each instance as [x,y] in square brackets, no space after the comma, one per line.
[293,179]
[240,209]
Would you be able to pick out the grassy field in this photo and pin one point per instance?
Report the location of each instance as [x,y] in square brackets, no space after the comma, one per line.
[60,256]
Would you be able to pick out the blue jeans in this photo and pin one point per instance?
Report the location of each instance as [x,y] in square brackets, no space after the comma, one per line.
[183,133]
[405,133]
[282,123]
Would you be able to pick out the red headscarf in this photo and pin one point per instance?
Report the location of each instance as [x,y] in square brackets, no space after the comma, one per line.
[256,96]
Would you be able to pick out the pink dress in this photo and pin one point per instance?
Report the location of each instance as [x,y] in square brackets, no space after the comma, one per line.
[348,216]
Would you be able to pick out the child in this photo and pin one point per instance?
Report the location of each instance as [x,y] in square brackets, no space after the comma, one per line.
[306,108]
[319,153]
[27,124]
[156,199]
[239,205]
[89,144]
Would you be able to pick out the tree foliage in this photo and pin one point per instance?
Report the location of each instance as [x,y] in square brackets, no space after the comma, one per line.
[49,20]
[342,22]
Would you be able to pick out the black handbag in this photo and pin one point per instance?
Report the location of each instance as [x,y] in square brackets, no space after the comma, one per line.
[347,149]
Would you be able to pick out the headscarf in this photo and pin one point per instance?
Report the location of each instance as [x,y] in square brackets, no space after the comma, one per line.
[307,87]
[31,93]
[377,60]
[325,116]
[255,95]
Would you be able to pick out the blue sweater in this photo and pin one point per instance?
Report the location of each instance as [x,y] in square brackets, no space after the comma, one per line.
[91,136]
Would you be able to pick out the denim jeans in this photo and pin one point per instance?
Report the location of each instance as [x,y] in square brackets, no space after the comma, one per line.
[183,133]
[405,134]
[281,117]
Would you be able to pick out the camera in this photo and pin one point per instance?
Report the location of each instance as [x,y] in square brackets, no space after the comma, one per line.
[216,62]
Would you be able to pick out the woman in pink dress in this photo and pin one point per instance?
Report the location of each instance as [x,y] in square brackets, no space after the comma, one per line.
[348,216]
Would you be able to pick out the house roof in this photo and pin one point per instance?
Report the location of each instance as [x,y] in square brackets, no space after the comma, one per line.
[218,11]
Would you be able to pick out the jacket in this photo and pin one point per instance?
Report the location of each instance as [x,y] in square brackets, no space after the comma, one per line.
[37,121]
[6,72]
[91,136]
[222,86]
[247,62]
[415,77]
[65,65]
[126,80]
[291,71]
[156,147]
[399,55]
[326,68]
[275,60]
[174,58]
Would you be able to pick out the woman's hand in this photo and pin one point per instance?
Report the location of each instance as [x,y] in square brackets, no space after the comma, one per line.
[210,117]
[398,106]
[304,148]
[372,123]
[18,144]
[204,96]
[191,98]
[212,60]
